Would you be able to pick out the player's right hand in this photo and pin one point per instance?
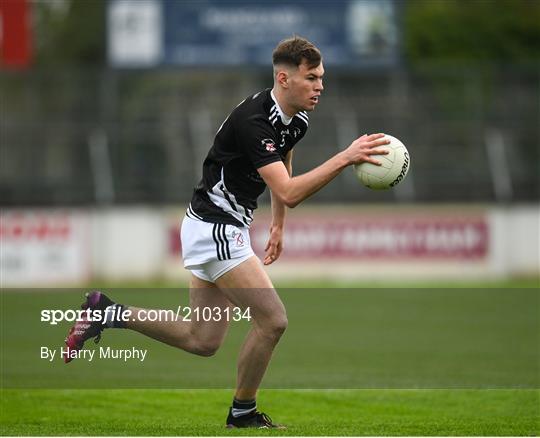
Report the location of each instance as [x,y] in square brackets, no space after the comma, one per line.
[362,149]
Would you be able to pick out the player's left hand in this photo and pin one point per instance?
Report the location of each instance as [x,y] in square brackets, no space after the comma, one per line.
[274,246]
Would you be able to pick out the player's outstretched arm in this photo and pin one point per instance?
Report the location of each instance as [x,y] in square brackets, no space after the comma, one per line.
[293,190]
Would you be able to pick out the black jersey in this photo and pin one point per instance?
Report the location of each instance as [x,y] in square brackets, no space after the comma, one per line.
[255,134]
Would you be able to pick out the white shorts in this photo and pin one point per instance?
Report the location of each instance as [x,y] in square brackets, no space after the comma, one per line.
[210,250]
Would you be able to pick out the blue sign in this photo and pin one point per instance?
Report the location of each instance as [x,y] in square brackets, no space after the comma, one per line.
[214,32]
[244,32]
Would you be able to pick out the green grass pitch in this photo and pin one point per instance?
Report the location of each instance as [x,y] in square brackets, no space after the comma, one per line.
[371,361]
[305,412]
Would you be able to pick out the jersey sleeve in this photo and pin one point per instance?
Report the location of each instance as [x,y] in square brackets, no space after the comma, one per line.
[257,139]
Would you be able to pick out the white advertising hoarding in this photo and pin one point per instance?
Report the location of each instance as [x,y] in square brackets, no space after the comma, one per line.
[135,33]
[44,247]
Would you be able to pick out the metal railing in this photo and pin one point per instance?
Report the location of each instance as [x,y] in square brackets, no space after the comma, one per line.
[102,137]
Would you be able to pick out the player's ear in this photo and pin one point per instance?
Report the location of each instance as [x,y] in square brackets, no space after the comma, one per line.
[282,78]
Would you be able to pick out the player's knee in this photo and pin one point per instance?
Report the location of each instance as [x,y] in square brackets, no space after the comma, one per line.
[281,326]
[207,348]
[276,327]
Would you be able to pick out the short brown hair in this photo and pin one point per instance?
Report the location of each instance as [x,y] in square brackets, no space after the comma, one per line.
[292,51]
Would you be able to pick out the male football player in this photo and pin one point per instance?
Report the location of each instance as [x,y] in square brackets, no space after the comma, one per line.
[252,149]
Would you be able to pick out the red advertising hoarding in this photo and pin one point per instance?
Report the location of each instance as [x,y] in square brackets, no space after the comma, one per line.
[44,247]
[15,34]
[390,237]
[421,236]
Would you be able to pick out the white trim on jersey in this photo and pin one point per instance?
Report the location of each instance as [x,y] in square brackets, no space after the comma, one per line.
[274,113]
[285,119]
[225,200]
[191,214]
[302,115]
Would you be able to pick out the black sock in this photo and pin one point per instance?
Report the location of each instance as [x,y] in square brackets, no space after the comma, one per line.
[104,302]
[243,407]
[111,312]
[113,316]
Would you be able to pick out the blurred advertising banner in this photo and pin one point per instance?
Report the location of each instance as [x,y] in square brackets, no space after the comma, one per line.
[419,236]
[15,34]
[135,33]
[44,247]
[387,237]
[361,33]
[384,244]
[378,242]
[60,247]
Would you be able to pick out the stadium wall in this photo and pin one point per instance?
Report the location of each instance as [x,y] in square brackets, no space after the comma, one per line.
[45,247]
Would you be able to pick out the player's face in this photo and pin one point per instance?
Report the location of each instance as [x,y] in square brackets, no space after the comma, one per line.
[306,85]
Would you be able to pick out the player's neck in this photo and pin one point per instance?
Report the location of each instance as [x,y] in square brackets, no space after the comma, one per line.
[280,100]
